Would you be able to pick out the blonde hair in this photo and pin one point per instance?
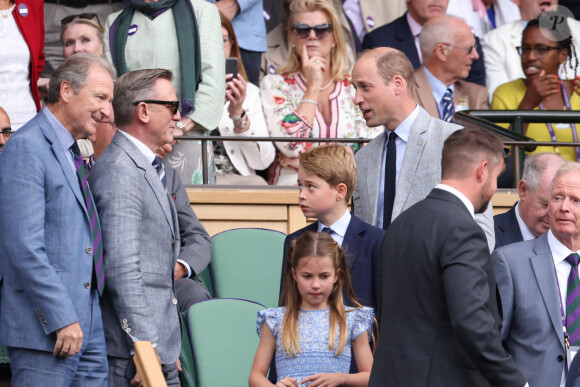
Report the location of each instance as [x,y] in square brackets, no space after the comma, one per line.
[339,66]
[94,22]
[318,245]
[332,163]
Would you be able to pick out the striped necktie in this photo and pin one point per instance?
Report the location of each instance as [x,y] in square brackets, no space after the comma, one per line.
[82,174]
[448,108]
[573,301]
[160,171]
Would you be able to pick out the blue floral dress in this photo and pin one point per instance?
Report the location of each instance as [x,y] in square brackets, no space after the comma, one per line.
[313,333]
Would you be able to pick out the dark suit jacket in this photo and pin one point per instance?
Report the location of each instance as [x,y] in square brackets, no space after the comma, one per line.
[361,244]
[507,229]
[397,34]
[573,379]
[439,320]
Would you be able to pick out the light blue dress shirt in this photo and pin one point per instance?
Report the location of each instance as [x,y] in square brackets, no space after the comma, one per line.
[439,89]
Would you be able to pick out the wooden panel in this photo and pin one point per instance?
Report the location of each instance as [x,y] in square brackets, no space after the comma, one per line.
[503,200]
[227,194]
[241,212]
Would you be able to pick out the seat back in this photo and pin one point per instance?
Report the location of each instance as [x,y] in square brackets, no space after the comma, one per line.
[247,263]
[186,355]
[224,340]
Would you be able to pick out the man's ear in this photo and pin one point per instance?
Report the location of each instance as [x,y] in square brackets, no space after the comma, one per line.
[399,84]
[66,91]
[441,51]
[523,189]
[142,112]
[482,170]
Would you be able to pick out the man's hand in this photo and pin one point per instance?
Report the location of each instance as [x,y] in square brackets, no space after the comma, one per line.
[69,340]
[229,8]
[180,271]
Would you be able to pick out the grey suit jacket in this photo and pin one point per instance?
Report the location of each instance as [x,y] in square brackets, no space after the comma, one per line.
[141,239]
[420,172]
[195,241]
[532,323]
[472,94]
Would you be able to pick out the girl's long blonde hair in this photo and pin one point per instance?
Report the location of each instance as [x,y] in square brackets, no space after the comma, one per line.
[311,244]
[339,63]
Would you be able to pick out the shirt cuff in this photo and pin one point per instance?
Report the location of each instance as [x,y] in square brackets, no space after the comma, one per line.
[186,266]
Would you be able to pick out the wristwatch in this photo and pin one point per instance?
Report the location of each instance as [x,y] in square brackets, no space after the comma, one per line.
[181,125]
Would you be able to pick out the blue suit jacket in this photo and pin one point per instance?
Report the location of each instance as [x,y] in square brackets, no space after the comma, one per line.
[45,236]
[397,34]
[361,243]
[507,229]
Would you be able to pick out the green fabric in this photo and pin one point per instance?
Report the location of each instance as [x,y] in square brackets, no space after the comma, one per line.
[187,42]
[4,358]
[186,355]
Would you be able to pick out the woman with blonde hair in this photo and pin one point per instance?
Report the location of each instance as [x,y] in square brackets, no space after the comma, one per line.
[311,95]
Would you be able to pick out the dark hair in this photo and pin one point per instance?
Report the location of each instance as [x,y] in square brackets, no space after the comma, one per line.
[561,33]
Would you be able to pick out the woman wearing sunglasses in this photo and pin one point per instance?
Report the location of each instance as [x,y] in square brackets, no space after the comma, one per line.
[542,52]
[21,58]
[311,94]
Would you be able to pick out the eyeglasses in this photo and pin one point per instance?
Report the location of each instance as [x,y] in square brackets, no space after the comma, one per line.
[6,132]
[539,51]
[87,15]
[320,30]
[468,50]
[175,104]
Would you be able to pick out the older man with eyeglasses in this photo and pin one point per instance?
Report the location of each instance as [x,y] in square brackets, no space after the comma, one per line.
[449,50]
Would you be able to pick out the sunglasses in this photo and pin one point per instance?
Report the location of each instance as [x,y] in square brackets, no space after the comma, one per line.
[539,51]
[321,31]
[6,132]
[87,16]
[174,104]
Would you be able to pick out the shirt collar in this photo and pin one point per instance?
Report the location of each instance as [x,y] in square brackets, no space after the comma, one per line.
[526,233]
[404,129]
[437,86]
[459,195]
[558,249]
[339,226]
[416,28]
[64,137]
[148,153]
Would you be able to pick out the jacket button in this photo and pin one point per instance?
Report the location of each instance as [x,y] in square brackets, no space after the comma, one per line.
[560,358]
[44,323]
[87,285]
[174,301]
[89,250]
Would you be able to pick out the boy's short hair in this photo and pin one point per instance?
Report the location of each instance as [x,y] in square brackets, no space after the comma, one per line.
[333,164]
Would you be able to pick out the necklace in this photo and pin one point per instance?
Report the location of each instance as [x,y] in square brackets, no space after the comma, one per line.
[6,12]
[327,86]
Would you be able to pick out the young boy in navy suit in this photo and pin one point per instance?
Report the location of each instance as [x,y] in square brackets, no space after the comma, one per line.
[327,178]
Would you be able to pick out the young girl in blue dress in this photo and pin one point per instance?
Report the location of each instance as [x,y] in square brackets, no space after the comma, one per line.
[307,351]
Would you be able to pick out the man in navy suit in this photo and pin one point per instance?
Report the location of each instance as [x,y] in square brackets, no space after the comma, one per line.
[326,178]
[50,318]
[528,218]
[403,34]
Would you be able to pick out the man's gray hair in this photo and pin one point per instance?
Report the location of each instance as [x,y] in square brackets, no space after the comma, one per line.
[566,168]
[135,86]
[436,30]
[535,166]
[75,70]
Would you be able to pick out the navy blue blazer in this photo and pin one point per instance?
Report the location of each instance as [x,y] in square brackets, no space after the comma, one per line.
[573,379]
[361,243]
[397,34]
[507,229]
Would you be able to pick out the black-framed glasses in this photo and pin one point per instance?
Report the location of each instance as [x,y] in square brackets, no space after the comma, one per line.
[175,104]
[468,50]
[321,31]
[539,51]
[86,15]
[6,132]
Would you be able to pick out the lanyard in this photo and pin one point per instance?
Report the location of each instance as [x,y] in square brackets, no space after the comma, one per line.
[572,125]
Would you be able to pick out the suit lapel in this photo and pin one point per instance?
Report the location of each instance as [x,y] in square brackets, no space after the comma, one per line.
[543,266]
[150,175]
[70,175]
[413,152]
[373,161]
[352,241]
[424,93]
[405,36]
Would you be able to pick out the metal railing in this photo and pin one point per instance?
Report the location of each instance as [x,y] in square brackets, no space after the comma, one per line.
[485,119]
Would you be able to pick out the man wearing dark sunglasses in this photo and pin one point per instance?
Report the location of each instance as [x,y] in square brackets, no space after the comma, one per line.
[5,129]
[449,50]
[140,226]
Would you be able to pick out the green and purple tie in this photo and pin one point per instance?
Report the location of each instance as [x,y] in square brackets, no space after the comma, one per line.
[573,301]
[82,174]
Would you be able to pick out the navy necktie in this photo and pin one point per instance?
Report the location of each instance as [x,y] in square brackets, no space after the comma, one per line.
[160,171]
[390,180]
[448,108]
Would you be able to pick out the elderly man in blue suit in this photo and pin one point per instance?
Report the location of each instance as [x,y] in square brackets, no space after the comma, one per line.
[538,284]
[50,318]
[140,227]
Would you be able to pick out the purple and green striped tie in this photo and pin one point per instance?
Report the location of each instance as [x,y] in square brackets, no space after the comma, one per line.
[82,174]
[573,301]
